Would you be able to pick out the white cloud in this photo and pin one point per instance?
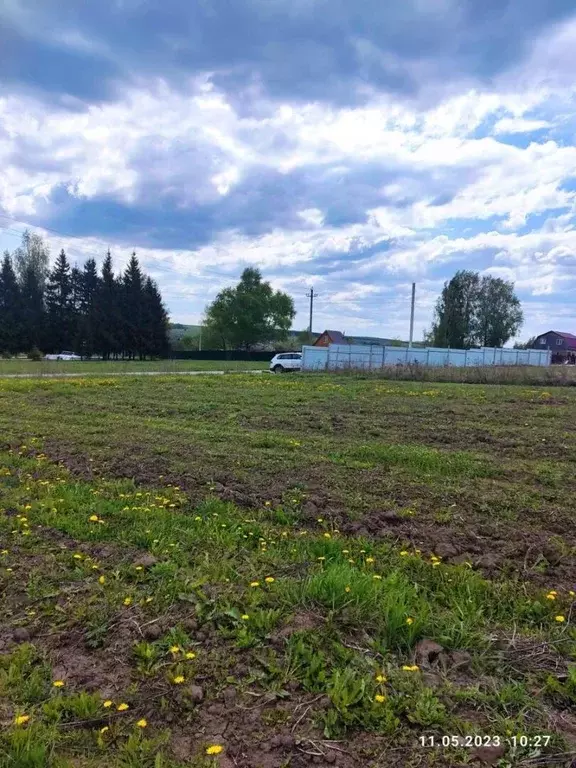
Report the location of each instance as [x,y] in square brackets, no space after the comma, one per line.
[519,125]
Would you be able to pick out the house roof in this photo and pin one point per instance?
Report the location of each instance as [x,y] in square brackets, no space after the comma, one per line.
[569,338]
[336,337]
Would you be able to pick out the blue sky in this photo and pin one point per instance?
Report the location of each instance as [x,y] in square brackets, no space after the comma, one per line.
[355,147]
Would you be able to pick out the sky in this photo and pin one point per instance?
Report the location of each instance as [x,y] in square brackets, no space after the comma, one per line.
[355,147]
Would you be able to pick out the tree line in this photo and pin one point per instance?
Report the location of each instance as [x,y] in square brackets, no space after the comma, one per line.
[45,310]
[473,310]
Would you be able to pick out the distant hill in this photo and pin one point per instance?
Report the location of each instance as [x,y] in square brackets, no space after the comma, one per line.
[177,330]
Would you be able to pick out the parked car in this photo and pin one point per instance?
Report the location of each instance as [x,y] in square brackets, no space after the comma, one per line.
[69,356]
[286,361]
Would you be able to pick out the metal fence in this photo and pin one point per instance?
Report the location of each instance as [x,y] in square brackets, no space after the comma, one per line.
[340,356]
[218,354]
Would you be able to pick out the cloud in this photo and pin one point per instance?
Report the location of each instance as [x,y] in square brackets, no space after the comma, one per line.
[519,125]
[303,51]
[353,148]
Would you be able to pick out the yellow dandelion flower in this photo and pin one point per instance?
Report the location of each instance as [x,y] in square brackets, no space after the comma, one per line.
[269,579]
[320,519]
[379,698]
[107,704]
[122,707]
[21,719]
[139,568]
[435,564]
[254,583]
[127,601]
[93,518]
[102,580]
[550,596]
[369,559]
[559,619]
[572,593]
[175,649]
[347,588]
[380,678]
[58,684]
[245,617]
[327,535]
[321,559]
[178,680]
[77,557]
[410,667]
[190,655]
[345,551]
[214,749]
[142,723]
[409,620]
[103,730]
[403,553]
[267,503]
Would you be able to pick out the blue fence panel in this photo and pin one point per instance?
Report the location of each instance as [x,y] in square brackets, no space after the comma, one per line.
[395,355]
[314,358]
[342,356]
[437,356]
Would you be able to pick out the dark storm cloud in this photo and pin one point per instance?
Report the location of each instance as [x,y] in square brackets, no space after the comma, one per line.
[297,49]
[263,201]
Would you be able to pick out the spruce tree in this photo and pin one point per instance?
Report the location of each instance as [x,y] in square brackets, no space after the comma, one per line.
[107,317]
[155,325]
[33,314]
[87,333]
[76,306]
[11,328]
[59,306]
[132,308]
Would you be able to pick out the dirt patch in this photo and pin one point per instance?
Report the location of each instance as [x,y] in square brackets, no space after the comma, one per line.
[542,554]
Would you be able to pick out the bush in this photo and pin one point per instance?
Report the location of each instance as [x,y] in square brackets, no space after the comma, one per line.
[35,354]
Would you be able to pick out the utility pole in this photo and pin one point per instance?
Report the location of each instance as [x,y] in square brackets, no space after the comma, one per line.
[412,315]
[311,297]
[200,341]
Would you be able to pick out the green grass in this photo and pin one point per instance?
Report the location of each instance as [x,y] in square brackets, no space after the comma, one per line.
[101,367]
[305,563]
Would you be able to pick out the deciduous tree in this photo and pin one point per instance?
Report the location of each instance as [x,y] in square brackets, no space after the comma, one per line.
[251,313]
[475,311]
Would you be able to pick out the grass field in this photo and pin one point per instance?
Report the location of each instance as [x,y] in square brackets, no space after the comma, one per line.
[286,571]
[46,367]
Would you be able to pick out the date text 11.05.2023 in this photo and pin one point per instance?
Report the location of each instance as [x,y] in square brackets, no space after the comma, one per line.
[522,740]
